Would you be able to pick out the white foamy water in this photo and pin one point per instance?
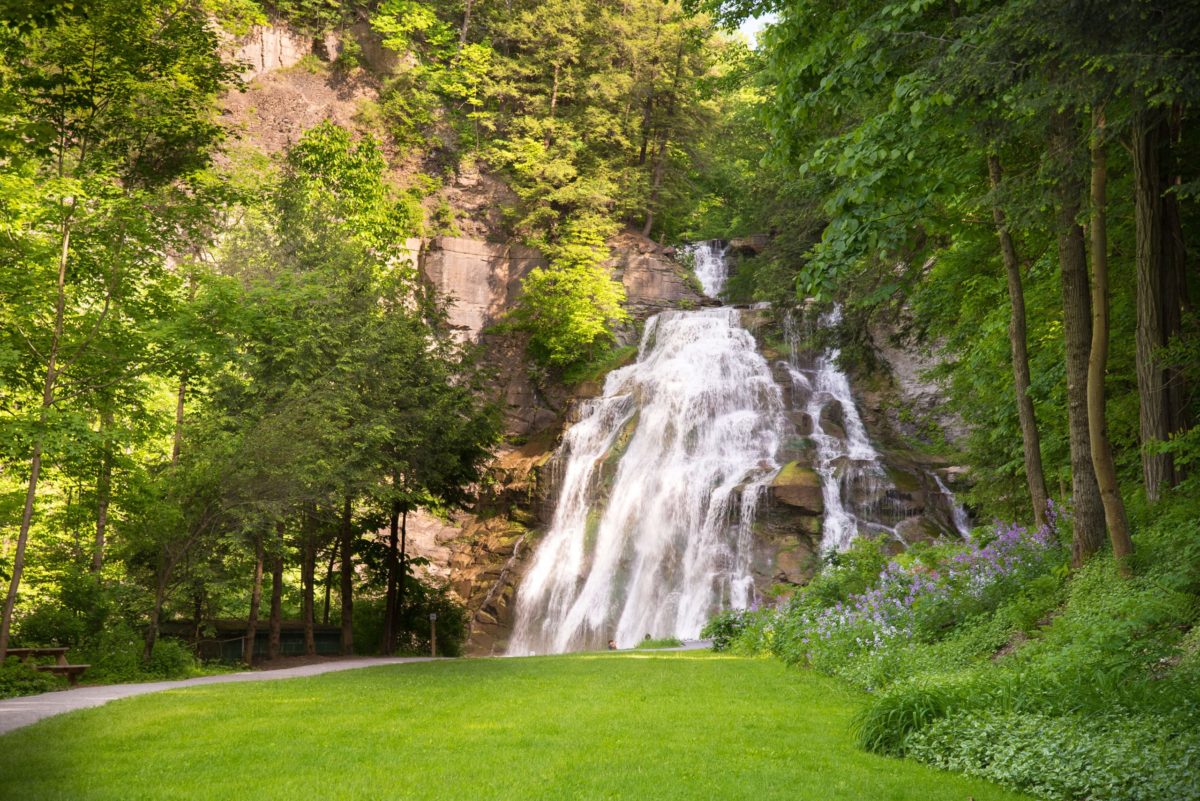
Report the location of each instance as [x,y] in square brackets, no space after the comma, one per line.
[661,480]
[852,475]
[708,262]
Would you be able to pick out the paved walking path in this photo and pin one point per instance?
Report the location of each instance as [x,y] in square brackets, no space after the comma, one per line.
[18,712]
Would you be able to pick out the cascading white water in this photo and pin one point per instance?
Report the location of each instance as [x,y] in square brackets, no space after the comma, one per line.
[853,481]
[962,521]
[709,265]
[663,474]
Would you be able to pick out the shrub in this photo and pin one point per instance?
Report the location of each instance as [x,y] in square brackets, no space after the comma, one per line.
[171,659]
[21,678]
[1131,758]
[724,628]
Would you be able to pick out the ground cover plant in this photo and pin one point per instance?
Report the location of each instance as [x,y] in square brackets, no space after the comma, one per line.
[989,657]
[615,726]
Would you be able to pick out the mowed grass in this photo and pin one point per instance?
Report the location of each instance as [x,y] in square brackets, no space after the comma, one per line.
[593,726]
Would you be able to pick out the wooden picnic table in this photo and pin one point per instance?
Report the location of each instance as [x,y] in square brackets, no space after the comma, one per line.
[60,667]
[29,654]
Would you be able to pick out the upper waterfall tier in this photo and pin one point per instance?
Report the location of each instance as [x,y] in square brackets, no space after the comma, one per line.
[661,480]
[709,265]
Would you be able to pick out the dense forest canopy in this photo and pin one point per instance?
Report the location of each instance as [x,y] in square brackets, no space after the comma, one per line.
[222,376]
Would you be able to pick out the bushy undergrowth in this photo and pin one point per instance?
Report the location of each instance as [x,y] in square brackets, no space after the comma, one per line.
[21,678]
[990,657]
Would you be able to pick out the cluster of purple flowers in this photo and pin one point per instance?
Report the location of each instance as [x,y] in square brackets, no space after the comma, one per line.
[904,595]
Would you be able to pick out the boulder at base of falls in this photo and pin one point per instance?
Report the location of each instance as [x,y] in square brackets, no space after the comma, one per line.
[799,487]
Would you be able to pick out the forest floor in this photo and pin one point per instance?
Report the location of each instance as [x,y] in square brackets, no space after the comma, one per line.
[627,725]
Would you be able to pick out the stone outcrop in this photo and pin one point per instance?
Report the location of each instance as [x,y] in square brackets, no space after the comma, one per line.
[654,281]
[799,487]
[482,280]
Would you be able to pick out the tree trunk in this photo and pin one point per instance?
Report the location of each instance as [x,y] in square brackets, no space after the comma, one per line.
[255,602]
[553,104]
[1102,458]
[35,462]
[103,488]
[160,598]
[308,569]
[177,439]
[389,613]
[276,624]
[466,23]
[402,570]
[333,554]
[1088,517]
[1035,477]
[1158,470]
[347,580]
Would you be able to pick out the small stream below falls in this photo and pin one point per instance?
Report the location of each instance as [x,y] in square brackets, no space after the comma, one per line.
[660,481]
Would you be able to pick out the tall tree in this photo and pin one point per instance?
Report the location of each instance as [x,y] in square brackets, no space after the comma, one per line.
[109,104]
[1102,457]
[1018,343]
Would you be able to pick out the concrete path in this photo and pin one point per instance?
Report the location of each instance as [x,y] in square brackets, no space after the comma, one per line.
[18,712]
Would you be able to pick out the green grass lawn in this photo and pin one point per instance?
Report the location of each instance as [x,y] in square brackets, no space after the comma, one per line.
[596,726]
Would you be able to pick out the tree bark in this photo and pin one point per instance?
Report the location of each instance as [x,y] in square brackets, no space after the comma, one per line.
[35,463]
[1102,458]
[402,571]
[466,23]
[1158,470]
[333,554]
[1088,517]
[308,569]
[255,602]
[160,598]
[177,438]
[276,624]
[103,488]
[1035,477]
[389,614]
[347,579]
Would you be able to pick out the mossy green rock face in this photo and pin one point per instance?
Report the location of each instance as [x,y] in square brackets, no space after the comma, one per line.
[799,486]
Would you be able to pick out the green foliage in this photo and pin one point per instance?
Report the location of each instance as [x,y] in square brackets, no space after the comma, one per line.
[1130,758]
[18,677]
[724,628]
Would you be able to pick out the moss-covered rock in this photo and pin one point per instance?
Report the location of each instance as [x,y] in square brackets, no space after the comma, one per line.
[799,486]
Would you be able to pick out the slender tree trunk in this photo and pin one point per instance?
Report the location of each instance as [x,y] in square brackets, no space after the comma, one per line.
[1088,517]
[1035,477]
[347,579]
[276,624]
[333,554]
[553,104]
[1158,469]
[197,616]
[160,598]
[103,488]
[466,23]
[308,569]
[255,602]
[389,614]
[35,463]
[656,184]
[1102,458]
[177,438]
[398,616]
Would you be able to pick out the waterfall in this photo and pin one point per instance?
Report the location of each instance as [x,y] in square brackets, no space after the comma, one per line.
[660,480]
[709,265]
[962,521]
[855,486]
[663,474]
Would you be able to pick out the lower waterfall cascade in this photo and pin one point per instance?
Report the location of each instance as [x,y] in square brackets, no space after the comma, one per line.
[660,480]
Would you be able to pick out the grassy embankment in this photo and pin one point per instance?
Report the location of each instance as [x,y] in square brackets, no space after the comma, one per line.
[614,726]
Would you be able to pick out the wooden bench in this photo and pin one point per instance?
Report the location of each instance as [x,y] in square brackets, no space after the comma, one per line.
[60,666]
[72,672]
